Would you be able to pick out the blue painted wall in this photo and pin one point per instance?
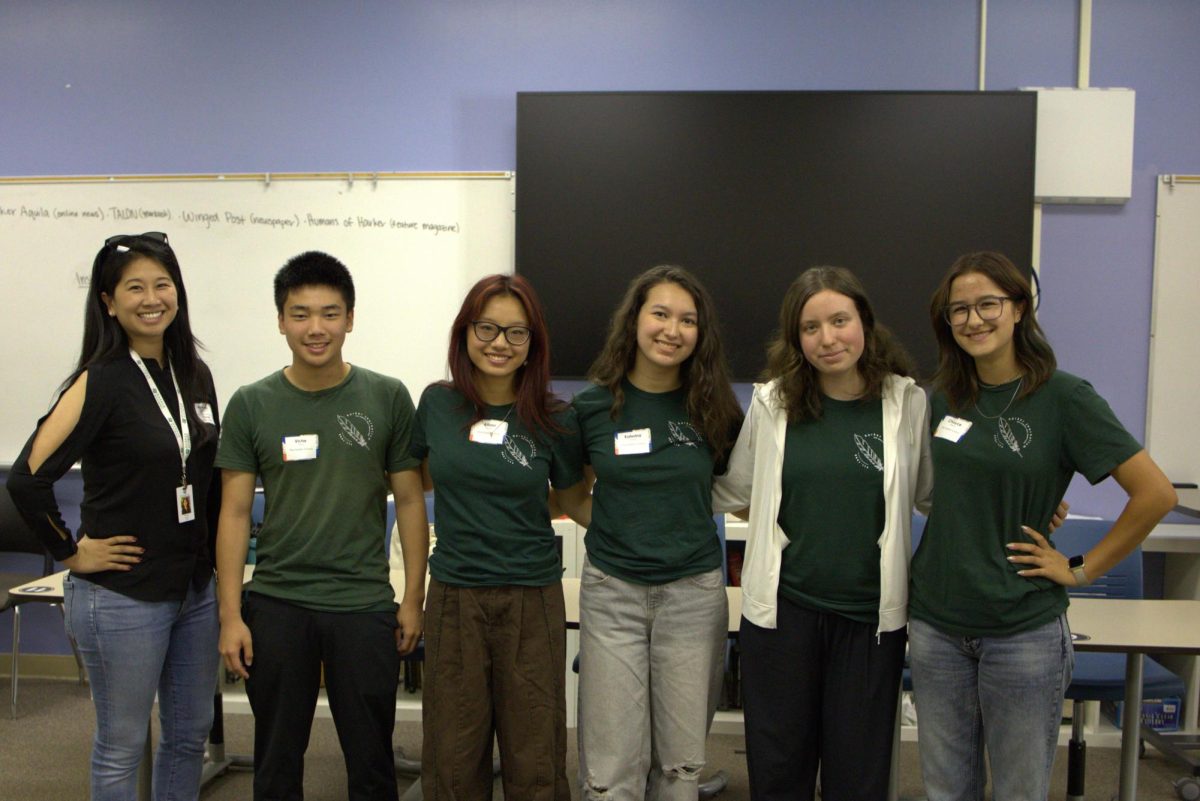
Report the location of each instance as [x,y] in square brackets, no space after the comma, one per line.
[129,86]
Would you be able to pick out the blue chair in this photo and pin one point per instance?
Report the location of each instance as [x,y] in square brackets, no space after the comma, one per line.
[1101,676]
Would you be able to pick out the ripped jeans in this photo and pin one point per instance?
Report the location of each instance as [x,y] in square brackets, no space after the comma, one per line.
[651,659]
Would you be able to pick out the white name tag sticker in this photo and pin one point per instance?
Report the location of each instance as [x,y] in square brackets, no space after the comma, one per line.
[952,428]
[489,432]
[629,443]
[301,447]
[185,504]
[204,412]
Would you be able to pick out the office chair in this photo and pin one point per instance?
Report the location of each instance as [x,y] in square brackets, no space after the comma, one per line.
[1101,676]
[17,538]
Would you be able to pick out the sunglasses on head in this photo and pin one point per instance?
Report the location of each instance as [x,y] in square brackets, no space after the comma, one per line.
[118,240]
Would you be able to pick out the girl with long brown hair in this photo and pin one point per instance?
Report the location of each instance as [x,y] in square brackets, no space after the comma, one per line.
[991,651]
[831,460]
[653,615]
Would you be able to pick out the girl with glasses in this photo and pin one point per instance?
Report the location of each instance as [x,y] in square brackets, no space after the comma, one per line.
[492,439]
[830,461]
[140,412]
[659,418]
[991,651]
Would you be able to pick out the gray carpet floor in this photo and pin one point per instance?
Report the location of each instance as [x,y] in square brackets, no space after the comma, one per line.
[44,756]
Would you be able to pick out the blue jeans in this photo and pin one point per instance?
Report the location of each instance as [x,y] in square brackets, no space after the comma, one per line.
[1005,692]
[651,660]
[133,649]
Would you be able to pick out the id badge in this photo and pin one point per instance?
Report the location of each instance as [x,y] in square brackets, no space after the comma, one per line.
[185,504]
[952,428]
[204,412]
[489,432]
[300,447]
[630,443]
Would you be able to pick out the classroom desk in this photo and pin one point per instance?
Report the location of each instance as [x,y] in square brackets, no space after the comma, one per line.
[1134,628]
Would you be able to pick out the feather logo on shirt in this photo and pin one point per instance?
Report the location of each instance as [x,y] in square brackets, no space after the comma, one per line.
[865,454]
[519,449]
[1013,434]
[357,429]
[683,434]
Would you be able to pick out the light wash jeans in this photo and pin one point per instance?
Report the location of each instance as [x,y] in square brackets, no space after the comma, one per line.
[651,660]
[131,650]
[1002,692]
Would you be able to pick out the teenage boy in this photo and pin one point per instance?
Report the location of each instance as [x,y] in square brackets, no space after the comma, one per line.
[328,439]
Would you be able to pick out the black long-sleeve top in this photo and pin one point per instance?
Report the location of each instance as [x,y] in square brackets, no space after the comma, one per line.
[130,473]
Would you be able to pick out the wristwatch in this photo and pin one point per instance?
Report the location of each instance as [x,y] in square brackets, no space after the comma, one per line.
[1076,565]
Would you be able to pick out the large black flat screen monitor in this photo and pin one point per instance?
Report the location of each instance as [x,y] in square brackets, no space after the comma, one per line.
[747,189]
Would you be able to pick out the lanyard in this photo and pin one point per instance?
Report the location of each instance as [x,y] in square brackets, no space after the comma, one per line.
[182,438]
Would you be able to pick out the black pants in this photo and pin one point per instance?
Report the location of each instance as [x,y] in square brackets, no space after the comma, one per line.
[819,691]
[362,670]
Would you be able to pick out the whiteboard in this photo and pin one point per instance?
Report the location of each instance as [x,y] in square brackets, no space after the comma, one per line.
[415,243]
[1173,402]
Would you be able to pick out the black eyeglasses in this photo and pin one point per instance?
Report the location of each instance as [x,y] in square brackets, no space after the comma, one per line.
[118,239]
[989,307]
[514,334]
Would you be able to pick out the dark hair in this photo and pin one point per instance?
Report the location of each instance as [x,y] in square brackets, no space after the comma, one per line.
[103,337]
[711,405]
[956,375]
[313,268]
[799,387]
[535,403]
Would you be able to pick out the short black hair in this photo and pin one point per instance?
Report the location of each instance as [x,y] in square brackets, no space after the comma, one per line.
[313,268]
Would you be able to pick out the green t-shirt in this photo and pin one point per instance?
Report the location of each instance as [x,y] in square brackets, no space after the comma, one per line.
[652,517]
[490,501]
[1010,468]
[832,509]
[322,541]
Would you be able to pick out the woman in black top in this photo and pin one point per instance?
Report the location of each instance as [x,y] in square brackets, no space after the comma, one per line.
[140,412]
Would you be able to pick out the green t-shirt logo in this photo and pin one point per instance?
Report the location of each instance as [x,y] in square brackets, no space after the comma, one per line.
[867,456]
[519,449]
[356,429]
[1013,434]
[683,433]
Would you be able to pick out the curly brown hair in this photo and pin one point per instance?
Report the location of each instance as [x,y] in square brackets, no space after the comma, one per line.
[711,405]
[799,387]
